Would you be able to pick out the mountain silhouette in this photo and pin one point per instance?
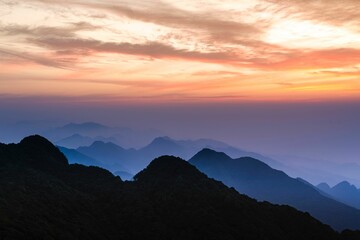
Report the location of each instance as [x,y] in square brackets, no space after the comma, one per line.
[344,192]
[110,155]
[74,135]
[74,141]
[74,156]
[124,175]
[135,160]
[170,199]
[35,151]
[256,179]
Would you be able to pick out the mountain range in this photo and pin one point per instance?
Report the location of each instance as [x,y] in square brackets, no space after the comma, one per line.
[45,197]
[248,175]
[74,135]
[116,158]
[256,179]
[344,192]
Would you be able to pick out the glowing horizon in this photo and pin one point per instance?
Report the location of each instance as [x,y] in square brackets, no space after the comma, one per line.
[156,51]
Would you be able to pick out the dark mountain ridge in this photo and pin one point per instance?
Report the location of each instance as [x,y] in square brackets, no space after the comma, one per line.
[44,197]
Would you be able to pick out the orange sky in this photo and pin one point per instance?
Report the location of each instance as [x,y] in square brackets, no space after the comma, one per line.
[182,51]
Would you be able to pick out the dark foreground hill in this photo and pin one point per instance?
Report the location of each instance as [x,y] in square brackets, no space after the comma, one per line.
[43,197]
[256,179]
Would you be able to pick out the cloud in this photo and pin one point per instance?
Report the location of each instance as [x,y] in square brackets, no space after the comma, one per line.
[67,31]
[149,49]
[218,25]
[167,15]
[49,62]
[223,38]
[333,12]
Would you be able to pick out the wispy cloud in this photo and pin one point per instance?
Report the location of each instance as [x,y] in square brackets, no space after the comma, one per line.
[67,31]
[49,62]
[332,12]
[149,49]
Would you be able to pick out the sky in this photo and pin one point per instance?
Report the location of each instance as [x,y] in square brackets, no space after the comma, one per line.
[180,51]
[278,77]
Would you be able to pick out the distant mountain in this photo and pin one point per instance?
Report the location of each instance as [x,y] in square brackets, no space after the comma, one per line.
[323,187]
[135,160]
[344,192]
[317,171]
[67,135]
[110,155]
[256,179]
[74,156]
[75,141]
[124,175]
[43,197]
[86,129]
[187,148]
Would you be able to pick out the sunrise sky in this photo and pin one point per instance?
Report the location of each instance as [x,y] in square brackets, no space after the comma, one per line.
[182,51]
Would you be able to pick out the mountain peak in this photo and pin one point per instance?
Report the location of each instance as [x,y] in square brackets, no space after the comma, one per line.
[324,187]
[169,169]
[36,139]
[162,140]
[208,154]
[345,185]
[162,145]
[40,153]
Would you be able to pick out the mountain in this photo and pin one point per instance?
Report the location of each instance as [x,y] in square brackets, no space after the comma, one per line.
[124,175]
[74,156]
[74,135]
[184,149]
[318,171]
[344,192]
[110,155]
[78,140]
[89,129]
[74,141]
[323,187]
[114,157]
[256,179]
[187,148]
[44,197]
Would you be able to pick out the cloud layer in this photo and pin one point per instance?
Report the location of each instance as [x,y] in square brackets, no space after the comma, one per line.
[163,43]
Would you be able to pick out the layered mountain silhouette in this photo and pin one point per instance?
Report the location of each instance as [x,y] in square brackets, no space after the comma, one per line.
[74,156]
[78,140]
[111,155]
[256,179]
[44,197]
[74,135]
[344,192]
[124,175]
